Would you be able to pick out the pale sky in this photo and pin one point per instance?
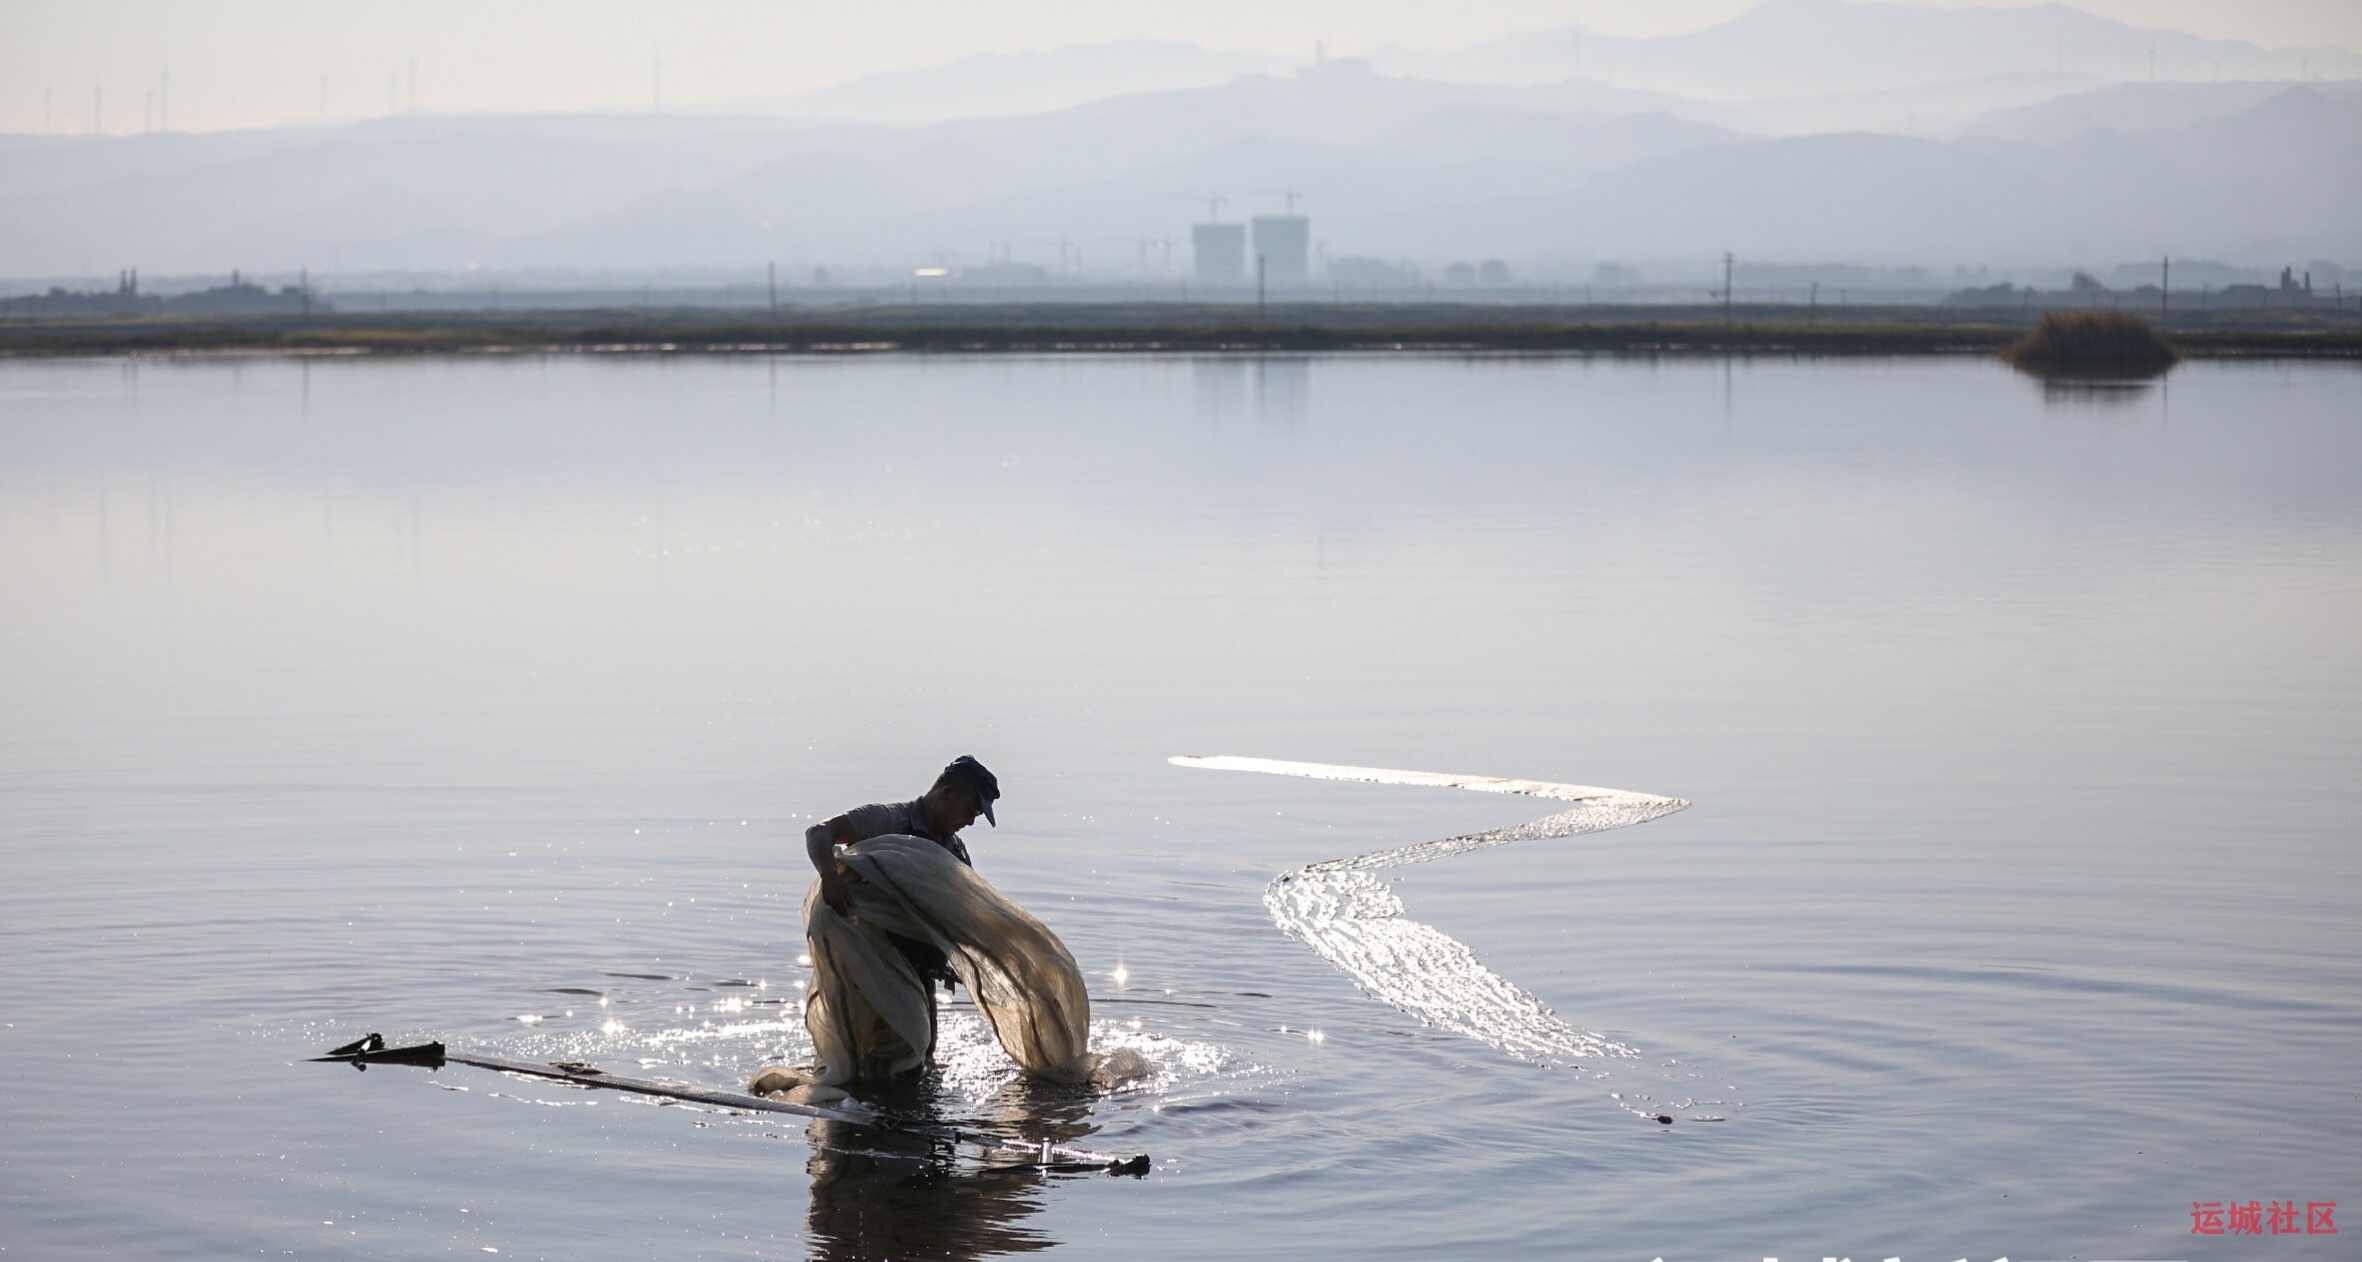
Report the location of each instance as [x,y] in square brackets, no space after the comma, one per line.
[243,63]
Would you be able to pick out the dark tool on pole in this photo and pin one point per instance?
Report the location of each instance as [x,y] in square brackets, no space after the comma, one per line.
[362,1053]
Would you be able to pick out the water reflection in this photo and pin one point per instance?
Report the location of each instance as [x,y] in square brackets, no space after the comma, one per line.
[883,1194]
[892,1194]
[2087,392]
[1263,387]
[2094,387]
[1283,385]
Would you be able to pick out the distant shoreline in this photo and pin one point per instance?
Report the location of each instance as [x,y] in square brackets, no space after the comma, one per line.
[1160,329]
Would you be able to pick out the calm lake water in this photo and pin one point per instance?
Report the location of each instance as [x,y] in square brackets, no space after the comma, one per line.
[486,699]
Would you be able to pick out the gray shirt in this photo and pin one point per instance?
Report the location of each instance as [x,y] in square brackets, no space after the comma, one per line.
[907,819]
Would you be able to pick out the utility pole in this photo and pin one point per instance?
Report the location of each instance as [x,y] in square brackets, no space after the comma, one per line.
[1259,308]
[1814,302]
[1726,274]
[2165,288]
[303,281]
[771,274]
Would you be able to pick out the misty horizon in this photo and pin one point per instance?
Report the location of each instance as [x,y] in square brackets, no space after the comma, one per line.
[1924,148]
[130,66]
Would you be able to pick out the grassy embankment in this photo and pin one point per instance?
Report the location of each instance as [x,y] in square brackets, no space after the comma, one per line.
[1181,328]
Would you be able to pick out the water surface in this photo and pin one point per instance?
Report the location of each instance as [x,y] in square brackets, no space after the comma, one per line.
[486,700]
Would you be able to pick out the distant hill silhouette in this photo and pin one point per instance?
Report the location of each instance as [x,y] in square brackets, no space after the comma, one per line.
[1388,167]
[995,84]
[2132,107]
[1802,47]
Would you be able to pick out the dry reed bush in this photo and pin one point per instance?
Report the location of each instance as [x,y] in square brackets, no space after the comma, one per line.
[2097,341]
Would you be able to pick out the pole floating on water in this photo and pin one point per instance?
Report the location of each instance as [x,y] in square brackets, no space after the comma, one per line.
[372,1050]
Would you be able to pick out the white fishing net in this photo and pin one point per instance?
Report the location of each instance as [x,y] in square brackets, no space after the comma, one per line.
[872,1016]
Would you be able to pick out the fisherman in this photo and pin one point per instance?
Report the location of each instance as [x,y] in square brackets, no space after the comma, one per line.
[898,907]
[964,790]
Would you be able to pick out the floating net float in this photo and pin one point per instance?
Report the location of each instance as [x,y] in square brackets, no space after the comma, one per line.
[1352,919]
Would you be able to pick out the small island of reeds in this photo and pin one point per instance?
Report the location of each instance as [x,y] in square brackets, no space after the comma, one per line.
[2099,343]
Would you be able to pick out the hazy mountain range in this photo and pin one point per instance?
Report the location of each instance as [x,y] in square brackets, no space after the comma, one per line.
[1022,83]
[1812,47]
[1807,130]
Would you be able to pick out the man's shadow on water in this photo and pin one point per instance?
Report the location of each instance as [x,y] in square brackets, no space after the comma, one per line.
[881,1193]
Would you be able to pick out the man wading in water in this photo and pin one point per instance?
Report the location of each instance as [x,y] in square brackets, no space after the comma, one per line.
[963,791]
[898,908]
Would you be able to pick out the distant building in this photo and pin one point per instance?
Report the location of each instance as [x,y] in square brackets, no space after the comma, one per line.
[2293,292]
[1284,244]
[1221,250]
[2290,292]
[58,303]
[244,297]
[239,297]
[2001,295]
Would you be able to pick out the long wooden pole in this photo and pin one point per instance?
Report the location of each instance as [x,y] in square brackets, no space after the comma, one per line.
[373,1051]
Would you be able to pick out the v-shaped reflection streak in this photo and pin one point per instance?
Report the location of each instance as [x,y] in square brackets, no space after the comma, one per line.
[1351,918]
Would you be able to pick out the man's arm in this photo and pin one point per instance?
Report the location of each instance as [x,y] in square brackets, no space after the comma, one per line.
[822,839]
[820,843]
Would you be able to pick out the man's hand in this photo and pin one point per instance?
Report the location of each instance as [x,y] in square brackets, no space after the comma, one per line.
[820,845]
[834,893]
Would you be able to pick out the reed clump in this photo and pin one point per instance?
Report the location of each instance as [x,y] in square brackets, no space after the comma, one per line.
[2092,341]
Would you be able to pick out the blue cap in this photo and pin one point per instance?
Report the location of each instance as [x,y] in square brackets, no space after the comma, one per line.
[966,770]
